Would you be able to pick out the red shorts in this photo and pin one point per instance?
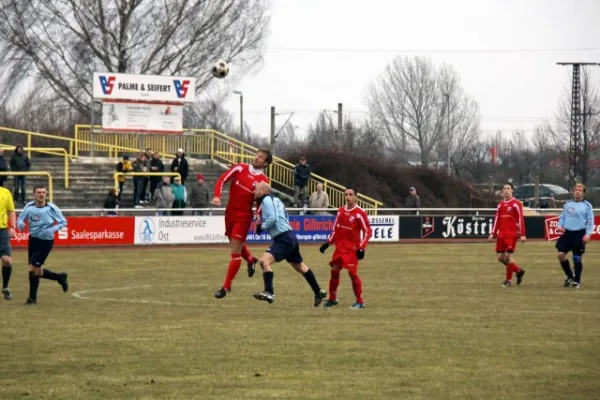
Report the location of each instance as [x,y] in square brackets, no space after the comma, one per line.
[237,229]
[506,244]
[348,261]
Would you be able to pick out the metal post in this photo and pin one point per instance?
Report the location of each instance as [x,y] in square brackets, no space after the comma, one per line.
[272,128]
[241,117]
[340,127]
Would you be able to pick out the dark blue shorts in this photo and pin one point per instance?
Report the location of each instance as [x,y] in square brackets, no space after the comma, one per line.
[571,241]
[39,250]
[285,247]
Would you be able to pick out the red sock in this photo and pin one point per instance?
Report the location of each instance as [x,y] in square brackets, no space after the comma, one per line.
[509,272]
[334,282]
[234,267]
[246,255]
[357,287]
[514,267]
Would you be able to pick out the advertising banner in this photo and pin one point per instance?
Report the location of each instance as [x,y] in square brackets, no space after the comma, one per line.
[113,86]
[88,231]
[179,230]
[552,224]
[316,229]
[125,116]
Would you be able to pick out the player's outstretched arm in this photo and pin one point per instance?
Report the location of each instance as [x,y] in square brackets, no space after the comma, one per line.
[223,179]
[22,218]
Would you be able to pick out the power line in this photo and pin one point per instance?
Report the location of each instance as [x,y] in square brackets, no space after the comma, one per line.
[430,51]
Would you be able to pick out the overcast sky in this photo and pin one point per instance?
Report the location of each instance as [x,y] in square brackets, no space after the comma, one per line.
[515,89]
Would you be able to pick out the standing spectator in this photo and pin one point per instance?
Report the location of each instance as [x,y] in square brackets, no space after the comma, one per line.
[3,167]
[180,165]
[179,195]
[200,196]
[123,166]
[163,195]
[413,200]
[302,172]
[111,202]
[19,162]
[319,199]
[156,165]
[141,165]
[146,179]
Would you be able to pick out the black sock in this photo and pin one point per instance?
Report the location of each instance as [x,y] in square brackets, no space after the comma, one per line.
[268,278]
[6,271]
[578,271]
[34,282]
[566,266]
[53,276]
[312,281]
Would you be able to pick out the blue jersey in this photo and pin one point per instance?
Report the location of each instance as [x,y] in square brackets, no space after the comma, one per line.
[576,216]
[274,216]
[43,221]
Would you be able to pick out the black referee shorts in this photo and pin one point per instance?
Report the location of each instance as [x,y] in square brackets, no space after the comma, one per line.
[38,250]
[571,241]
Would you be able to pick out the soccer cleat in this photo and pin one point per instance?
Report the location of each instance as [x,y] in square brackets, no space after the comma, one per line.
[520,276]
[6,293]
[568,282]
[30,302]
[319,297]
[222,293]
[252,267]
[265,296]
[63,281]
[330,303]
[357,306]
[575,285]
[506,284]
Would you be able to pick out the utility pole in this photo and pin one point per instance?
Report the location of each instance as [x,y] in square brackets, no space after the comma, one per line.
[272,128]
[241,113]
[340,127]
[576,138]
[447,95]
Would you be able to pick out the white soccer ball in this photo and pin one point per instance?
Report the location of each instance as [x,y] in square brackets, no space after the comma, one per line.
[220,69]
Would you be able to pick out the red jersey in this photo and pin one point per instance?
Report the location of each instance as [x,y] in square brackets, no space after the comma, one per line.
[351,230]
[241,192]
[509,219]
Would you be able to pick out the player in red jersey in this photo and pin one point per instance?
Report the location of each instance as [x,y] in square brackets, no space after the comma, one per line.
[351,233]
[509,225]
[238,214]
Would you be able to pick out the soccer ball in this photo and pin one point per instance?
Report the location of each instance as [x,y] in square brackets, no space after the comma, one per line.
[220,69]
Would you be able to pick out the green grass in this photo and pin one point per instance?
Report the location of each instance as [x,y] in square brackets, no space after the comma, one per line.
[437,326]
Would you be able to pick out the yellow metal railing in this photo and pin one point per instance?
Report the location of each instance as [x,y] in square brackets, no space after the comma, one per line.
[116,175]
[34,173]
[57,151]
[208,142]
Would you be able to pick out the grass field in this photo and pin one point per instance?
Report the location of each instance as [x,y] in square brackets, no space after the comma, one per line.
[438,325]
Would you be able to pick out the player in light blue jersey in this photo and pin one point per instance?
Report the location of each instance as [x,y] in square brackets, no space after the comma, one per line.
[274,220]
[576,223]
[44,220]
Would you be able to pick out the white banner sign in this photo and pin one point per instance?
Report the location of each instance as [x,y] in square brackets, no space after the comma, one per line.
[143,87]
[179,230]
[385,228]
[142,117]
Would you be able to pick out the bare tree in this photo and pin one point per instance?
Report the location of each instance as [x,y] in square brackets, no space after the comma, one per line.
[208,114]
[55,46]
[408,103]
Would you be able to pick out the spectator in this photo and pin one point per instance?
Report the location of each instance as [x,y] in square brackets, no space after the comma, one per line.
[123,166]
[3,167]
[156,165]
[140,165]
[19,162]
[111,202]
[163,196]
[179,195]
[146,179]
[413,200]
[200,197]
[319,199]
[302,172]
[180,165]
